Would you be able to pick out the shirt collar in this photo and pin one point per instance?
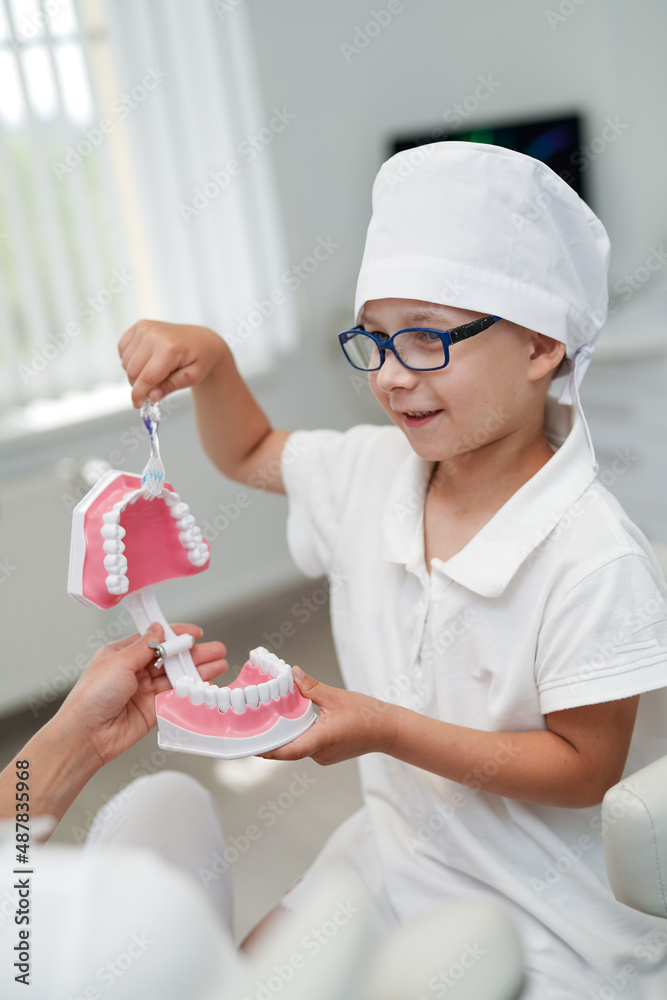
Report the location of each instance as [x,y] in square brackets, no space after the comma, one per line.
[490,559]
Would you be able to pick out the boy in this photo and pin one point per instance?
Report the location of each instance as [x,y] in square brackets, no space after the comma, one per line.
[499,615]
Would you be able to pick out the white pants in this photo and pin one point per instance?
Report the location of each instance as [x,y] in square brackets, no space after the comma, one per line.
[173,815]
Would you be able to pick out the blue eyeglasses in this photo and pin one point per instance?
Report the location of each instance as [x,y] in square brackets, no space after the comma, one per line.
[417,348]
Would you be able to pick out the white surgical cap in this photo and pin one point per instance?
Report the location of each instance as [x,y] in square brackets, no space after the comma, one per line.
[488,229]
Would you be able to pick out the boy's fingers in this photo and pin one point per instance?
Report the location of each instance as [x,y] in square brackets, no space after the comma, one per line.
[131,336]
[181,378]
[136,357]
[149,378]
[303,746]
[310,688]
[156,382]
[127,339]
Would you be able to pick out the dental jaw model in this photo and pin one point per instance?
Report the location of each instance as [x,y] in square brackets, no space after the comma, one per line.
[130,533]
[260,710]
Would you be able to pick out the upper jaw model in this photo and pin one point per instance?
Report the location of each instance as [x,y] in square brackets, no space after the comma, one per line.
[122,544]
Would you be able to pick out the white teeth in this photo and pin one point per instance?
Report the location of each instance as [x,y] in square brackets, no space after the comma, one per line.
[237,699]
[267,662]
[252,695]
[191,538]
[199,557]
[115,564]
[196,693]
[182,686]
[112,531]
[113,546]
[281,682]
[223,698]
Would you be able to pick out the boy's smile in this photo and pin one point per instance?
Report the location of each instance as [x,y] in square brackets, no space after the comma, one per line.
[419,419]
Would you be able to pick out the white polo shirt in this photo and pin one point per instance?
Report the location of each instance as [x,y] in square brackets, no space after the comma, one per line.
[558,601]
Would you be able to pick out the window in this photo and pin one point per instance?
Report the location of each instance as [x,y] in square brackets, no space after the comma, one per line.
[137,180]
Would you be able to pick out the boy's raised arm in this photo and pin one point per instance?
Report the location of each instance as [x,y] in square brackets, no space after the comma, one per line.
[234,430]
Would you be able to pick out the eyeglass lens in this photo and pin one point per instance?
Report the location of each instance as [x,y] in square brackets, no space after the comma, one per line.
[416,348]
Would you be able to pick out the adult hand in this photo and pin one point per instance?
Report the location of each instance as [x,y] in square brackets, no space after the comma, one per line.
[112,705]
[350,724]
[110,708]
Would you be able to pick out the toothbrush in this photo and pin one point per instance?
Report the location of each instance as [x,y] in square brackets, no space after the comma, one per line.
[152,478]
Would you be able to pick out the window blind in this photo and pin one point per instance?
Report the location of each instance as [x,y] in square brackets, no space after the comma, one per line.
[137,181]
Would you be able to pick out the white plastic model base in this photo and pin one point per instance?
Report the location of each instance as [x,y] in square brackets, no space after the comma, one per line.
[172,737]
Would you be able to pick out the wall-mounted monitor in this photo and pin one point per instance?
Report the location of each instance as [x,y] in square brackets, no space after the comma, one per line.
[555,141]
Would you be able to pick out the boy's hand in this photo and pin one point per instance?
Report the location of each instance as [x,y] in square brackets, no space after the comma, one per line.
[162,357]
[350,724]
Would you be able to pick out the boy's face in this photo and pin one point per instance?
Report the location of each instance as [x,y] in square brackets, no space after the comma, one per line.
[495,383]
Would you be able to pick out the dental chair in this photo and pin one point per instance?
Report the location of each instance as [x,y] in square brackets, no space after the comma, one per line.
[634,830]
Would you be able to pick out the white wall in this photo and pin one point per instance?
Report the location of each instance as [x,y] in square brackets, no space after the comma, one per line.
[605,59]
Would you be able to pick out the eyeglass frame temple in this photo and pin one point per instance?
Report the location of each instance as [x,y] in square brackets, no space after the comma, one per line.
[472,328]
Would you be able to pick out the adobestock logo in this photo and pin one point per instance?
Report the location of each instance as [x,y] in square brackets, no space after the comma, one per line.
[95,136]
[87,310]
[247,150]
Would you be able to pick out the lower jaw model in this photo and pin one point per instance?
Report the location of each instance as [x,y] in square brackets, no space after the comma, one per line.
[261,710]
[124,544]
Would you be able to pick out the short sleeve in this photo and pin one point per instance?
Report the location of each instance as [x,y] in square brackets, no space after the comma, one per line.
[606,639]
[321,473]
